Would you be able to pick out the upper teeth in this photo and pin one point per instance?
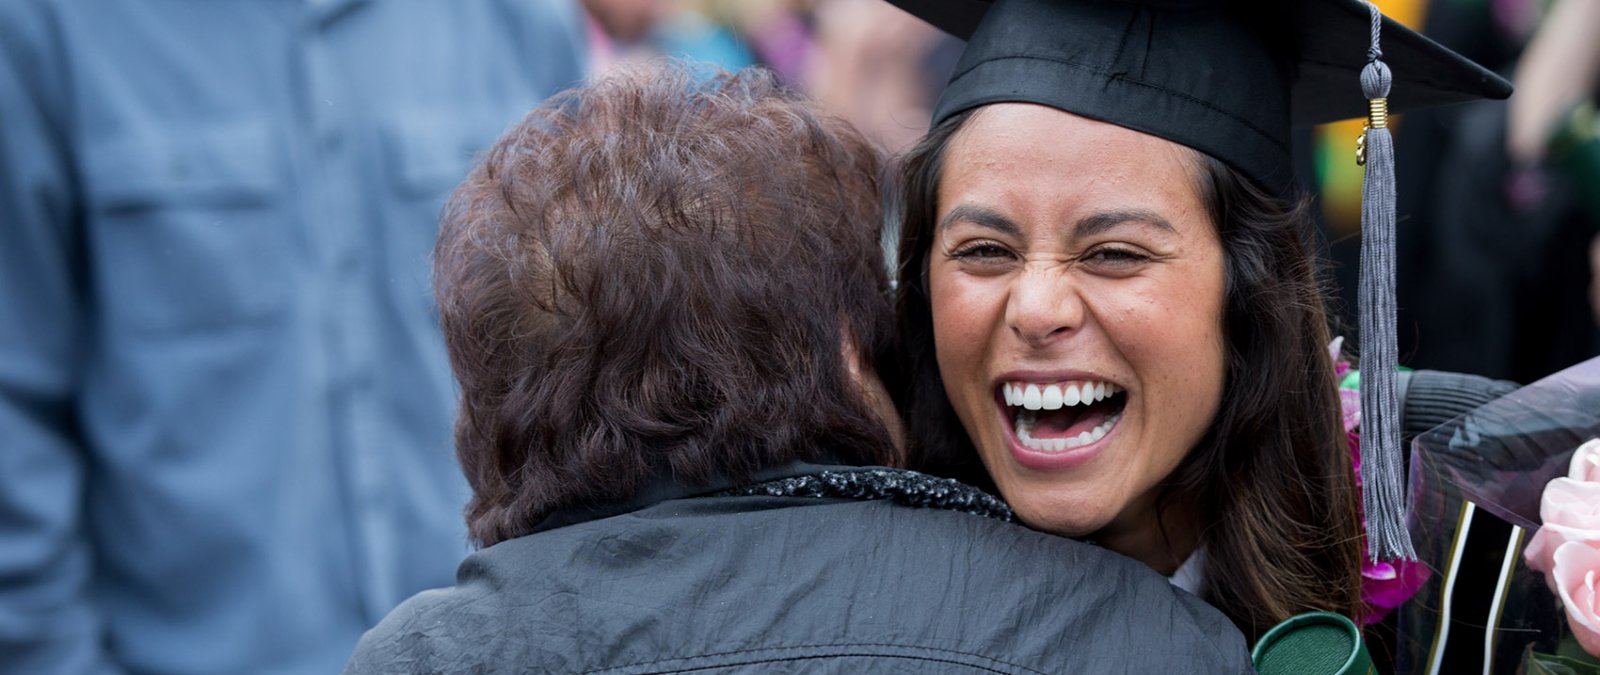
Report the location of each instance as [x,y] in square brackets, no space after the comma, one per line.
[1056,396]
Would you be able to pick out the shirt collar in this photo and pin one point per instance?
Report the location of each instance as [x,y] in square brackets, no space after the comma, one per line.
[1190,576]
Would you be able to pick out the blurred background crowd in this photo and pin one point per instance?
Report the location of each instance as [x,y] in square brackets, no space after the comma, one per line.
[874,64]
[224,405]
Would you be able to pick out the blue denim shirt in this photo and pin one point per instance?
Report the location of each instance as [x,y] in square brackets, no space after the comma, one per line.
[224,402]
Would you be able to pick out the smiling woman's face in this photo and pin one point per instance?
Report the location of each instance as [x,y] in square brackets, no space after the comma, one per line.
[1076,283]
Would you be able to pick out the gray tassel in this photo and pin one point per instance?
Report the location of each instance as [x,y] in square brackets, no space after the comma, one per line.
[1381,453]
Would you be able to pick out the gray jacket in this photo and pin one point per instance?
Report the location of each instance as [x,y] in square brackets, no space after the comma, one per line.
[684,581]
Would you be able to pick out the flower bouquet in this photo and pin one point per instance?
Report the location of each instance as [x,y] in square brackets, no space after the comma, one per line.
[1505,514]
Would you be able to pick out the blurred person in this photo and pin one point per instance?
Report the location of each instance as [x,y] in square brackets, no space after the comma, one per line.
[626,21]
[637,30]
[1559,70]
[875,65]
[614,26]
[1553,123]
[1494,271]
[879,67]
[778,32]
[665,302]
[224,402]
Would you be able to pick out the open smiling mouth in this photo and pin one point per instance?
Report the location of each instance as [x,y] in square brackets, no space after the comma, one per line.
[1064,415]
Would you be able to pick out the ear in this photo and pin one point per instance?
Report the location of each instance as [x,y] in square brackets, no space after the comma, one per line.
[851,357]
[872,391]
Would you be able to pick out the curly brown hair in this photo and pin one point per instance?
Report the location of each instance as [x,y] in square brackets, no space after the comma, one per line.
[653,273]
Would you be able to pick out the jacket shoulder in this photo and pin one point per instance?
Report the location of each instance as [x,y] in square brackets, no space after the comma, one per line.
[835,583]
[435,631]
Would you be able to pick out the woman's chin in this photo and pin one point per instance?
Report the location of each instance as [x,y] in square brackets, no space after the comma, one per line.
[1059,519]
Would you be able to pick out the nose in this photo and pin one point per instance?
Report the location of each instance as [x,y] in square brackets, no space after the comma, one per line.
[1044,306]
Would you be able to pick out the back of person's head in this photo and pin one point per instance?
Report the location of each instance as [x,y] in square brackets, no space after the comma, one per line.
[661,271]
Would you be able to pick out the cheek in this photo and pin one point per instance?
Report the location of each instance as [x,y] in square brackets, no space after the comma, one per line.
[1207,304]
[1195,340]
[956,308]
[962,319]
[1171,335]
[1186,327]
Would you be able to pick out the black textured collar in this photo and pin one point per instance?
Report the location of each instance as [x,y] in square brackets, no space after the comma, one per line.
[907,488]
[664,487]
[802,479]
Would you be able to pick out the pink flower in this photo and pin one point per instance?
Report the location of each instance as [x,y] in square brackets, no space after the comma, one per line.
[1350,408]
[1567,547]
[1586,462]
[1577,566]
[1387,585]
[1570,510]
[1335,352]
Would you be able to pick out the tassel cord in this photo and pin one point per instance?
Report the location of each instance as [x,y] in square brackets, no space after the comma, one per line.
[1382,456]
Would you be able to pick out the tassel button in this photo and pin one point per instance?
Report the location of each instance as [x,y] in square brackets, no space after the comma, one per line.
[1377,118]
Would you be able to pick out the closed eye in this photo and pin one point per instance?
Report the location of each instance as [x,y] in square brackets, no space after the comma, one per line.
[982,251]
[1116,255]
[1116,260]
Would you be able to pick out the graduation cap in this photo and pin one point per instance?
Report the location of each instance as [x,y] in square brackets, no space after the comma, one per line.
[1230,79]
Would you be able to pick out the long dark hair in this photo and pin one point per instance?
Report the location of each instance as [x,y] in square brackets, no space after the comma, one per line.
[652,274]
[1272,477]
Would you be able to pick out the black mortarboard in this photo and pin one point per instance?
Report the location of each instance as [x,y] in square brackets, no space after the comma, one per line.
[1229,78]
[1225,78]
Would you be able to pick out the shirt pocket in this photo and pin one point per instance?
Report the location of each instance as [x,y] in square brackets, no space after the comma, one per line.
[428,153]
[431,151]
[191,226]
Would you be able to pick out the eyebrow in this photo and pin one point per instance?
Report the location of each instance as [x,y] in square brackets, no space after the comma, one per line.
[1086,226]
[1096,223]
[979,215]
